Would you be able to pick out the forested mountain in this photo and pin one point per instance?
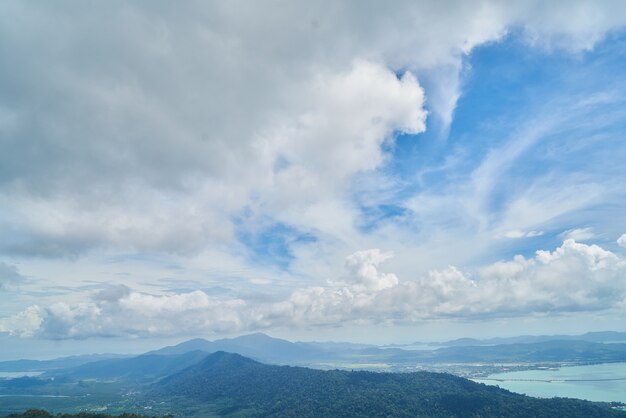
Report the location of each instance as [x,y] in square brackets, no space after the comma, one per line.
[258,346]
[38,413]
[273,350]
[196,379]
[140,368]
[266,390]
[267,349]
[58,363]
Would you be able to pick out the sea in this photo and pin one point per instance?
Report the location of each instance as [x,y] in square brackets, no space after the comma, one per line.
[14,375]
[599,382]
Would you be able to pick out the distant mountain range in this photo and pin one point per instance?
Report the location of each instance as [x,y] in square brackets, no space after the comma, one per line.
[258,346]
[143,368]
[244,386]
[571,351]
[156,364]
[594,337]
[55,364]
[199,378]
[263,348]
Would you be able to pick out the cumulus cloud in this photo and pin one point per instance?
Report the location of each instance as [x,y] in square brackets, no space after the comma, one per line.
[140,127]
[364,274]
[574,277]
[23,324]
[345,120]
[621,241]
[147,126]
[123,312]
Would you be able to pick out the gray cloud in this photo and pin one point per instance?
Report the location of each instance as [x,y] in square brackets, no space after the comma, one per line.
[147,125]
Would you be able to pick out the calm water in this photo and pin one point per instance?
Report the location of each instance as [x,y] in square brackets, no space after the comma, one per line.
[600,382]
[33,396]
[13,375]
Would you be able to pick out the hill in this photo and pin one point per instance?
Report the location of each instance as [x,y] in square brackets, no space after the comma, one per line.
[58,363]
[573,352]
[548,351]
[579,352]
[277,351]
[258,346]
[266,390]
[143,368]
[39,413]
[593,337]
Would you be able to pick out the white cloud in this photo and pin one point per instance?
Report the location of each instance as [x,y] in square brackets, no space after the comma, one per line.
[23,324]
[339,132]
[344,119]
[575,277]
[516,233]
[168,119]
[138,314]
[578,234]
[149,127]
[621,241]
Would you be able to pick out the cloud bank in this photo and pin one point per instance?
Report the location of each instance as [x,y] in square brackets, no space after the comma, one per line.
[574,277]
[148,126]
[180,134]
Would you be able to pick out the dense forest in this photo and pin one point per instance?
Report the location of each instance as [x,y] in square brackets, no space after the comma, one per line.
[38,413]
[256,389]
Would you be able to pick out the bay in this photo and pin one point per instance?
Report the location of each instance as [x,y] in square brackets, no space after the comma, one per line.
[599,382]
[13,375]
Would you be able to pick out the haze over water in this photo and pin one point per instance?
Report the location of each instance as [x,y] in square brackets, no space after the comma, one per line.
[598,382]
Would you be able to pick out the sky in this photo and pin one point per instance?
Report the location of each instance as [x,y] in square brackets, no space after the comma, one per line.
[380,172]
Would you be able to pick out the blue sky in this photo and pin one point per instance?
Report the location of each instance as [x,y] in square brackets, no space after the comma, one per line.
[507,88]
[418,172]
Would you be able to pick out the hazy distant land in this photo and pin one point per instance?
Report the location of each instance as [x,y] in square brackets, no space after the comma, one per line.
[118,383]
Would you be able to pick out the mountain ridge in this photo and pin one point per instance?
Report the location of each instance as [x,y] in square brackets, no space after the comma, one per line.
[257,345]
[269,390]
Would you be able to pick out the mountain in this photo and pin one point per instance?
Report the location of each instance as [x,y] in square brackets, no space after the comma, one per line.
[258,346]
[597,337]
[58,363]
[196,344]
[143,368]
[580,352]
[273,350]
[549,351]
[266,349]
[244,386]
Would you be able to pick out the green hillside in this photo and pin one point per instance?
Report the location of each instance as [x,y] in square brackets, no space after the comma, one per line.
[250,388]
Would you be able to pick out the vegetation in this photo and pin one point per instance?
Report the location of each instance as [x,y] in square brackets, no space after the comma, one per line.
[38,413]
[142,368]
[300,392]
[224,384]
